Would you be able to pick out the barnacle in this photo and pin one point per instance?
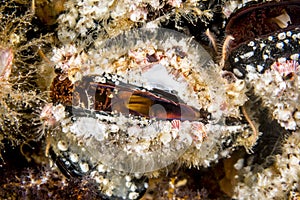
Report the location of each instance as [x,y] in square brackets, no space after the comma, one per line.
[278,180]
[100,20]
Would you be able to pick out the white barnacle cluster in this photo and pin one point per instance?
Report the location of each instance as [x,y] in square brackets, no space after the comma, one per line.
[279,181]
[275,79]
[126,186]
[110,18]
[69,60]
[105,17]
[74,147]
[235,90]
[280,92]
[209,151]
[50,114]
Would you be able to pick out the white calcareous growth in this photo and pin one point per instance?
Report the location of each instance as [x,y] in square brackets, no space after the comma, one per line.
[87,127]
[275,182]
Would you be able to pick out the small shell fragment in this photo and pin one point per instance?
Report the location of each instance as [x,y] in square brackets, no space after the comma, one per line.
[84,167]
[62,145]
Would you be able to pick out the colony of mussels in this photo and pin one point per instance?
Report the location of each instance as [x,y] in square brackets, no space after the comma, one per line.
[149,99]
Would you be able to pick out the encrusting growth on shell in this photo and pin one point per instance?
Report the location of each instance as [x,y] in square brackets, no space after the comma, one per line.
[280,180]
[113,100]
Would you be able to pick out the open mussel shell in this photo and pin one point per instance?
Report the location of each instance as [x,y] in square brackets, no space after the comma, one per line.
[135,105]
[144,83]
[261,20]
